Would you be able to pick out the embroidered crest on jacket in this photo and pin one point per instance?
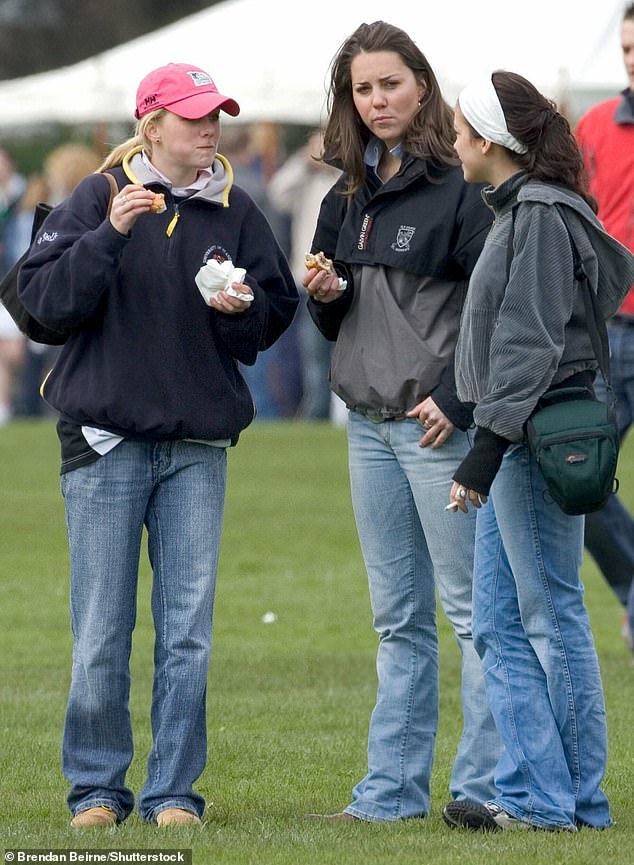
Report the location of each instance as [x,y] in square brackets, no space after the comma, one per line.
[403,237]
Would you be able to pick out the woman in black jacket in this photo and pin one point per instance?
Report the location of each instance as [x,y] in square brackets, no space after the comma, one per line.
[404,231]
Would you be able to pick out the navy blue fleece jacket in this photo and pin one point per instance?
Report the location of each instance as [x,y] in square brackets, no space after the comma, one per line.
[147,358]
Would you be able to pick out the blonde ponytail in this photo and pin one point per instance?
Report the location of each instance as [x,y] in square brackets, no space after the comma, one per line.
[139,139]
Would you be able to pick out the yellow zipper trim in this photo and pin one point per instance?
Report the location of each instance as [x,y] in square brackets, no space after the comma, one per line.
[126,164]
[172,225]
[229,170]
[46,378]
[170,228]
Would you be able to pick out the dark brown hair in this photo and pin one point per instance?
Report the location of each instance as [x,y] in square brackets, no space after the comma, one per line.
[430,133]
[553,154]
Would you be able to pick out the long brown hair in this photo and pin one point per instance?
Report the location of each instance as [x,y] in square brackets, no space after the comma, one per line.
[430,133]
[553,154]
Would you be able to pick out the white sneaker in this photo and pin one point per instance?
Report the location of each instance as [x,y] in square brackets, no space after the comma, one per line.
[503,820]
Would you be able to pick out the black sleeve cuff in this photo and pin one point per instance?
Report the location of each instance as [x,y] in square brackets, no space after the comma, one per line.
[459,413]
[446,398]
[328,316]
[481,464]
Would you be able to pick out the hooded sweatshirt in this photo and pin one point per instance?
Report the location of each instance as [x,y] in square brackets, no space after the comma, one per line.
[523,330]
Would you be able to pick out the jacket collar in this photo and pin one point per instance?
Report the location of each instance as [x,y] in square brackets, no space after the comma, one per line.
[216,190]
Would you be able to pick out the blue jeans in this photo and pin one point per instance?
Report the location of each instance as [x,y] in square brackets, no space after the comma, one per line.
[175,489]
[315,354]
[609,533]
[532,632]
[411,546]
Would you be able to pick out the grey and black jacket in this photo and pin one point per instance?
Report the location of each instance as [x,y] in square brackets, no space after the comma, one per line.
[407,249]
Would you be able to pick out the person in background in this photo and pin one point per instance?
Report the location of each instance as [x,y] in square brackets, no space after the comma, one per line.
[405,232]
[165,297]
[524,332]
[606,137]
[297,189]
[12,187]
[63,168]
[274,379]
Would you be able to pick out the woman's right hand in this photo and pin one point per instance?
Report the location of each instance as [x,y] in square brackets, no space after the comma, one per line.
[321,286]
[128,204]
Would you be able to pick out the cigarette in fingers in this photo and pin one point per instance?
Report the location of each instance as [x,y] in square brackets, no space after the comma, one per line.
[452,506]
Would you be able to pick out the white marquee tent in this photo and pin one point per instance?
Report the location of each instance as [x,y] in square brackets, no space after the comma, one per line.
[273,56]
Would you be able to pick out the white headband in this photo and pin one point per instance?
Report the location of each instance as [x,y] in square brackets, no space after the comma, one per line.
[481,107]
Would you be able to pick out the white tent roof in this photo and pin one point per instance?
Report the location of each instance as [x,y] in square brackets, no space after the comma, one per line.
[266,55]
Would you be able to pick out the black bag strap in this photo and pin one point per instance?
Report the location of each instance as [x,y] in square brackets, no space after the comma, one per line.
[42,209]
[594,319]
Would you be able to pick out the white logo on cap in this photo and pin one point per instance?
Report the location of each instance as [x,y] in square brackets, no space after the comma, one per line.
[200,78]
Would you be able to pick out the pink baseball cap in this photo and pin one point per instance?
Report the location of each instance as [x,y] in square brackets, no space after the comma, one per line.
[183,89]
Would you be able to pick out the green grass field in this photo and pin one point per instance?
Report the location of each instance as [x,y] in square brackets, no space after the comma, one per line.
[289,701]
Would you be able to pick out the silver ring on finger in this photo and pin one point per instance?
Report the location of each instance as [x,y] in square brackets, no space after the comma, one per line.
[124,198]
[462,493]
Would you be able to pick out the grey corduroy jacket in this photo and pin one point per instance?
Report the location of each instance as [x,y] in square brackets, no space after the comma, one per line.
[524,333]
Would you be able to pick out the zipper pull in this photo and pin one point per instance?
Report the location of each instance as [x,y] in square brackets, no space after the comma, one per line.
[170,228]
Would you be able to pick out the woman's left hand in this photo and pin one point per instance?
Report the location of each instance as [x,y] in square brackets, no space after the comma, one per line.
[223,302]
[461,496]
[437,425]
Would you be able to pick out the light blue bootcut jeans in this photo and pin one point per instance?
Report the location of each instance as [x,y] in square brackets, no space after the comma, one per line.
[175,489]
[532,631]
[411,547]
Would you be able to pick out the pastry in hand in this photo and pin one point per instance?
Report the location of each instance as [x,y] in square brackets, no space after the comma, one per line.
[318,261]
[158,204]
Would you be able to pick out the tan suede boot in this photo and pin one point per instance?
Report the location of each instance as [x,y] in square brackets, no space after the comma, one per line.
[177,817]
[98,817]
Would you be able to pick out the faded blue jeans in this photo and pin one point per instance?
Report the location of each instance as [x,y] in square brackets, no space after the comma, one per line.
[176,489]
[411,547]
[532,631]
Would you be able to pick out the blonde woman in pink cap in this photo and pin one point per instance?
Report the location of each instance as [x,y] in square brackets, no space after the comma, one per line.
[164,291]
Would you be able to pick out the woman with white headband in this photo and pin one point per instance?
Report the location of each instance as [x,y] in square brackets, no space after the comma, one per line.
[523,333]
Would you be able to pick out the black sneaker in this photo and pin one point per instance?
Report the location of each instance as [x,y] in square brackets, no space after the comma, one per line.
[489,817]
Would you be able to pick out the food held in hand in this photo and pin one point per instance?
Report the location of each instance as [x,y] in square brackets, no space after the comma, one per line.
[158,204]
[215,276]
[318,261]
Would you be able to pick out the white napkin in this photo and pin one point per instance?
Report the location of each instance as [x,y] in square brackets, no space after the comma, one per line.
[214,277]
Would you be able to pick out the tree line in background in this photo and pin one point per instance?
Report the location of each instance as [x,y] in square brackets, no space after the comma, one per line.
[38,35]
